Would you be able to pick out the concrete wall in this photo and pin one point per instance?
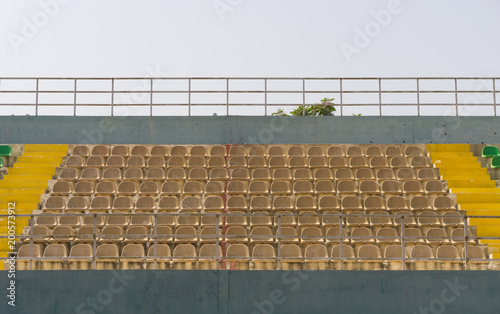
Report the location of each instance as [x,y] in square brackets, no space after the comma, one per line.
[247,130]
[253,292]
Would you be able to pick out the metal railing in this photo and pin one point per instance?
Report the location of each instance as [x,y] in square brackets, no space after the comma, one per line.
[96,238]
[377,96]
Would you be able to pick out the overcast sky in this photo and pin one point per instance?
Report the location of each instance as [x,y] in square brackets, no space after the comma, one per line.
[265,38]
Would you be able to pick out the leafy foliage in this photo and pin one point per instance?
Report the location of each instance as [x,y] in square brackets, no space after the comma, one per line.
[325,108]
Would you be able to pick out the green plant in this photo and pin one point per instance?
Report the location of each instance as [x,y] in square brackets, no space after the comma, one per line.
[325,108]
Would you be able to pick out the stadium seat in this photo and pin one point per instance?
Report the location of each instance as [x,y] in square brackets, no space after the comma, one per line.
[264,257]
[5,151]
[490,151]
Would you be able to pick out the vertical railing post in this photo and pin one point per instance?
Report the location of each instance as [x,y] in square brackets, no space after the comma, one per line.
[403,262]
[456,97]
[31,241]
[341,94]
[303,97]
[151,99]
[494,97]
[112,96]
[341,234]
[380,97]
[74,98]
[466,241]
[418,97]
[189,97]
[265,97]
[36,97]
[217,242]
[94,243]
[279,242]
[155,243]
[227,96]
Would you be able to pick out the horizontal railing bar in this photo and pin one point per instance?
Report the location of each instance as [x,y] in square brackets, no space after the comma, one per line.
[251,78]
[255,105]
[243,92]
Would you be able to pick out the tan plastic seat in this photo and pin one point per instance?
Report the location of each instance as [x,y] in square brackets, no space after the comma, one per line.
[133,174]
[176,174]
[257,203]
[333,235]
[168,204]
[387,236]
[209,234]
[452,219]
[291,255]
[149,188]
[164,234]
[328,203]
[413,187]
[369,188]
[409,218]
[262,174]
[237,151]
[198,174]
[47,220]
[176,162]
[342,254]
[444,203]
[142,220]
[361,235]
[214,204]
[369,257]
[436,236]
[316,257]
[193,188]
[62,188]
[239,203]
[111,234]
[237,255]
[338,162]
[420,203]
[378,162]
[261,235]
[426,258]
[324,187]
[449,258]
[70,221]
[457,237]
[218,151]
[374,203]
[62,234]
[184,256]
[310,235]
[236,234]
[155,174]
[384,174]
[95,162]
[75,162]
[357,219]
[54,255]
[163,255]
[77,204]
[257,151]
[335,151]
[264,257]
[413,236]
[421,162]
[347,187]
[391,187]
[237,161]
[218,174]
[185,234]
[196,162]
[123,204]
[69,174]
[191,204]
[98,221]
[358,162]
[257,162]
[118,220]
[120,150]
[277,161]
[363,174]
[136,234]
[350,203]
[393,151]
[136,161]
[282,203]
[132,256]
[426,174]
[315,151]
[237,187]
[332,218]
[429,219]
[139,150]
[179,151]
[145,204]
[394,256]
[295,151]
[171,188]
[240,174]
[344,174]
[396,203]
[208,256]
[323,174]
[280,188]
[318,162]
[380,218]
[159,151]
[399,162]
[308,219]
[404,174]
[305,202]
[81,150]
[258,188]
[105,188]
[413,151]
[285,218]
[298,162]
[54,204]
[288,235]
[276,151]
[282,174]
[372,151]
[434,187]
[477,258]
[112,174]
[115,162]
[80,257]
[302,187]
[302,174]
[90,174]
[155,162]
[236,218]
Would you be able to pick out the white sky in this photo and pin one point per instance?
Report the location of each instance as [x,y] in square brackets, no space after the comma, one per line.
[264,38]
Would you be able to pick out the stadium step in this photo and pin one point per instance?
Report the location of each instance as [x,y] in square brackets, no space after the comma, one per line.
[476,192]
[24,184]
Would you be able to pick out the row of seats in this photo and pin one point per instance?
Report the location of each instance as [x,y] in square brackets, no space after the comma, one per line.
[235,150]
[263,256]
[247,162]
[239,234]
[120,203]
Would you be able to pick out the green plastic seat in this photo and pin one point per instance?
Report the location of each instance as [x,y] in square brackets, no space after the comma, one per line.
[495,162]
[5,151]
[490,151]
[1,162]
